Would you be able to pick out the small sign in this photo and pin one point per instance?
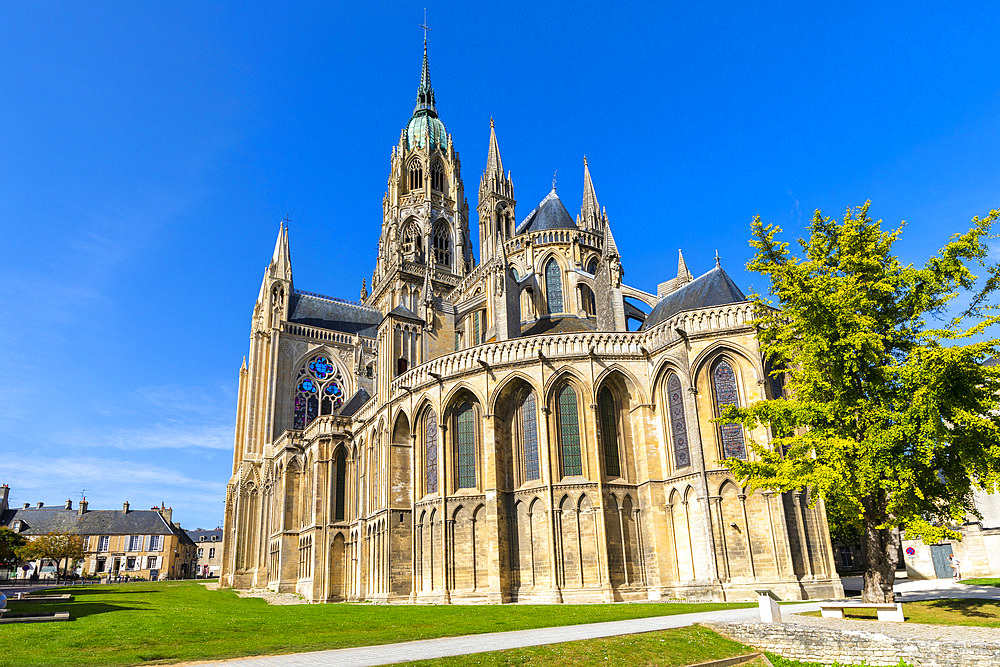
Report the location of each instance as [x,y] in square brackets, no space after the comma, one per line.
[910,551]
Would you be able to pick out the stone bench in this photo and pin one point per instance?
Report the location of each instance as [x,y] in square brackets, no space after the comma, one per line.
[886,611]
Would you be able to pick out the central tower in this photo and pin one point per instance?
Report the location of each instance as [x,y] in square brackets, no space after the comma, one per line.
[424,247]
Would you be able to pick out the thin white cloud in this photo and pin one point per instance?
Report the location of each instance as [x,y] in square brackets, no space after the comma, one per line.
[155,436]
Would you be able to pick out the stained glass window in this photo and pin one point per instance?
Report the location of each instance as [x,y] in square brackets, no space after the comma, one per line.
[341,484]
[529,437]
[513,270]
[609,433]
[465,438]
[569,432]
[724,382]
[431,452]
[553,287]
[318,390]
[678,422]
[592,265]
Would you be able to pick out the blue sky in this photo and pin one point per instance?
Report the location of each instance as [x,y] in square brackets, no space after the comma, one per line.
[149,150]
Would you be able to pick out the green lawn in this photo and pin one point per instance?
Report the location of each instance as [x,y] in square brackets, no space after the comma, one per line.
[164,622]
[981,582]
[952,611]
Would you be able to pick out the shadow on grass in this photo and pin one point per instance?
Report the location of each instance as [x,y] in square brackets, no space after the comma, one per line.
[966,607]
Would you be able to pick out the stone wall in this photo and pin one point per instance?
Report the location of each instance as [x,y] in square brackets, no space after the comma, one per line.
[827,646]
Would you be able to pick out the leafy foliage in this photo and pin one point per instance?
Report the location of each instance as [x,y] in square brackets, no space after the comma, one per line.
[59,547]
[889,419]
[10,542]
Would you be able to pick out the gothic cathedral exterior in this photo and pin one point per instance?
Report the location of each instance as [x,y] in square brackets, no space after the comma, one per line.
[493,431]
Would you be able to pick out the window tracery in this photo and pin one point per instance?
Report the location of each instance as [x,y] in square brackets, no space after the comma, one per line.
[529,438]
[609,433]
[724,385]
[442,245]
[569,432]
[553,286]
[318,390]
[678,422]
[416,176]
[437,177]
[341,491]
[431,453]
[465,440]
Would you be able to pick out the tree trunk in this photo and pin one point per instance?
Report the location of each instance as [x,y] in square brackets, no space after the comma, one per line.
[880,559]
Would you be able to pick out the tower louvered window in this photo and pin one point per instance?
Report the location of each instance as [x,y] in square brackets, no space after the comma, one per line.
[318,390]
[431,452]
[416,176]
[569,432]
[553,287]
[724,385]
[465,440]
[609,433]
[442,245]
[678,422]
[437,177]
[529,437]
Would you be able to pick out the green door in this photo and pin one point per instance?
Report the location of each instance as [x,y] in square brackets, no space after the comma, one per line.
[939,556]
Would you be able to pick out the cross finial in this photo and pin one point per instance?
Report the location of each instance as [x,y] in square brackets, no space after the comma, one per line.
[425,26]
[717,261]
[286,220]
[554,174]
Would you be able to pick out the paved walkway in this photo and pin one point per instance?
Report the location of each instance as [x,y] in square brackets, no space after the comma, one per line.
[364,656]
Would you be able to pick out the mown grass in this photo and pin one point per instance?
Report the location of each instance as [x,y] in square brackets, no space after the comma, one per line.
[952,611]
[982,582]
[128,624]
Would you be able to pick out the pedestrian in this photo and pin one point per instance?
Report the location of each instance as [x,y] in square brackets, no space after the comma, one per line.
[956,566]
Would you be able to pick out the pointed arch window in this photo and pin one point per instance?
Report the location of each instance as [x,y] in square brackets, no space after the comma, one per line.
[569,432]
[411,239]
[431,452]
[341,491]
[528,421]
[318,390]
[465,441]
[437,176]
[678,422]
[592,266]
[416,176]
[553,286]
[587,301]
[609,433]
[442,245]
[724,386]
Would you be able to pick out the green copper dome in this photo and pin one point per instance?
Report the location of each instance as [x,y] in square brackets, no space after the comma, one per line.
[425,129]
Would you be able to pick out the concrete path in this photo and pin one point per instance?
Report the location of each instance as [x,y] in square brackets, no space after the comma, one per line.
[364,656]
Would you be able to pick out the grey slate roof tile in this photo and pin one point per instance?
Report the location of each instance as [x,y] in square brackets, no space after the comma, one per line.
[714,288]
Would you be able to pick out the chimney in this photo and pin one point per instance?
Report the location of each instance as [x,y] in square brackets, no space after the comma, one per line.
[26,506]
[4,495]
[82,507]
[69,504]
[40,505]
[166,512]
[125,507]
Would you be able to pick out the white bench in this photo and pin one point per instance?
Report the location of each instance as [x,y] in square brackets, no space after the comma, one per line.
[886,611]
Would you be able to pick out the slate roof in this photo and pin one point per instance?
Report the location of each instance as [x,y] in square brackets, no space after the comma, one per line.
[361,396]
[714,288]
[554,325]
[196,535]
[405,313]
[328,313]
[549,214]
[44,520]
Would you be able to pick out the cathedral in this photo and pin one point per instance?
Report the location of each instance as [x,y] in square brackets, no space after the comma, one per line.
[519,427]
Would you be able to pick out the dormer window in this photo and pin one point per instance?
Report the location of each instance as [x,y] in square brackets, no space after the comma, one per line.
[17,526]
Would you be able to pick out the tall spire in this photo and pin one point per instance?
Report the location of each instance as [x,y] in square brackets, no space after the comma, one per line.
[590,209]
[494,165]
[425,94]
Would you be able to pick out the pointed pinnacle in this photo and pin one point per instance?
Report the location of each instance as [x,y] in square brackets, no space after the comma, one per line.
[590,209]
[494,165]
[682,269]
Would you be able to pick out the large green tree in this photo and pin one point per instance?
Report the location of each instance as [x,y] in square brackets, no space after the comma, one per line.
[891,414]
[64,548]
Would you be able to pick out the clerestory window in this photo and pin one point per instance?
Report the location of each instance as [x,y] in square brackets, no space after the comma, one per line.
[431,452]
